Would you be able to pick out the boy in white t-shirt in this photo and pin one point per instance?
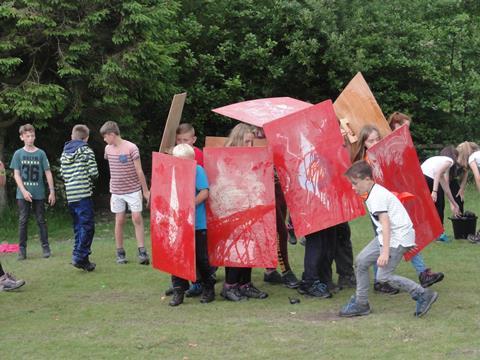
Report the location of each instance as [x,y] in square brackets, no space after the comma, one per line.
[394,237]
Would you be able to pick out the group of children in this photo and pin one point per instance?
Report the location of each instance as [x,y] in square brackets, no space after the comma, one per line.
[394,233]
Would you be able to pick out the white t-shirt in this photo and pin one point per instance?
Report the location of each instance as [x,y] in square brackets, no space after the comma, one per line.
[430,166]
[380,200]
[475,157]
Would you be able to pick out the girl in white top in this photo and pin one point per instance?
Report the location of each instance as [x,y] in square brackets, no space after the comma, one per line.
[469,157]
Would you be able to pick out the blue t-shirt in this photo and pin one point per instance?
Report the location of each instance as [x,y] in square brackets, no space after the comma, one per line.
[201,183]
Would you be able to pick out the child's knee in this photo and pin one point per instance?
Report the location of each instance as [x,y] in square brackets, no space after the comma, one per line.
[137,218]
[361,263]
[383,277]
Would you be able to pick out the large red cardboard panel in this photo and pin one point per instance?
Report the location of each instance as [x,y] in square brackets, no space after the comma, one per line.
[241,207]
[172,215]
[310,158]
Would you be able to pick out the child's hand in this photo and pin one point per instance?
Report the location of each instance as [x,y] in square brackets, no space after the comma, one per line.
[434,196]
[51,199]
[383,259]
[455,209]
[27,196]
[146,195]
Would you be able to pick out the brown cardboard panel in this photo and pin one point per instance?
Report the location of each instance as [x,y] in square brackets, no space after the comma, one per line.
[173,120]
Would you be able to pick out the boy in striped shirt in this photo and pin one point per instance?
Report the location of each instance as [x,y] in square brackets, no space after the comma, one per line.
[127,185]
[79,168]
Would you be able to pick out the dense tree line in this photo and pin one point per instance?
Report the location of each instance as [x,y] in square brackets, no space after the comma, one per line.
[69,61]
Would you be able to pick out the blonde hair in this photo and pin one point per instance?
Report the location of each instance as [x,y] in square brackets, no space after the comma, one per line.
[26,128]
[465,149]
[360,150]
[80,132]
[183,151]
[238,134]
[110,127]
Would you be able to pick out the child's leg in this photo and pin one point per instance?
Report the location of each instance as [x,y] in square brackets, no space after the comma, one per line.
[418,264]
[344,251]
[328,243]
[366,258]
[39,210]
[282,232]
[245,276]
[76,231]
[201,255]
[440,203]
[119,222]
[137,220]
[86,225]
[23,214]
[1,270]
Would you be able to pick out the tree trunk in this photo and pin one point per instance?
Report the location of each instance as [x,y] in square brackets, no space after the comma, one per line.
[3,133]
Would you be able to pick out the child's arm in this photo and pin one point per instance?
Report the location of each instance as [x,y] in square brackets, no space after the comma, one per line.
[201,196]
[476,174]
[18,179]
[463,184]
[143,181]
[445,183]
[51,187]
[385,254]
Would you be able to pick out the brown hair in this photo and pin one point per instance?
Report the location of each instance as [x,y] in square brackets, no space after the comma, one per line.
[359,170]
[110,127]
[398,118]
[26,128]
[238,133]
[359,153]
[465,149]
[185,128]
[450,152]
[80,132]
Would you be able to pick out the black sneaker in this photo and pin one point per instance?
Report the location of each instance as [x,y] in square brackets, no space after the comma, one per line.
[177,298]
[194,290]
[84,265]
[317,289]
[46,251]
[347,282]
[208,295]
[385,288]
[22,253]
[290,280]
[232,294]
[251,291]
[121,256]
[425,301]
[273,277]
[428,278]
[143,258]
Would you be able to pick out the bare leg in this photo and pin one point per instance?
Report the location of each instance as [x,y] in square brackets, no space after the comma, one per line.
[119,222]
[137,220]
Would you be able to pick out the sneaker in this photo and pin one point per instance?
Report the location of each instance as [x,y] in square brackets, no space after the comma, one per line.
[385,288]
[474,239]
[317,289]
[290,280]
[194,290]
[251,291]
[208,295]
[352,308]
[22,254]
[177,298]
[84,265]
[273,277]
[347,282]
[9,283]
[443,238]
[121,256]
[143,258]
[428,278]
[46,251]
[232,294]
[169,291]
[425,301]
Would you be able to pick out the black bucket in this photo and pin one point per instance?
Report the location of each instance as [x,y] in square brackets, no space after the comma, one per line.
[464,226]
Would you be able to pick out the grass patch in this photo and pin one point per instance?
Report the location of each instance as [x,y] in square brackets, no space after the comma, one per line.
[120,311]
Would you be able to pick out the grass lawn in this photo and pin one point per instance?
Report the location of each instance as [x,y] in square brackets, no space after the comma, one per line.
[120,311]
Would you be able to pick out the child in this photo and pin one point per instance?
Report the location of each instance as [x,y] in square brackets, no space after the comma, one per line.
[186,135]
[8,281]
[29,164]
[469,157]
[369,136]
[397,119]
[436,171]
[186,151]
[127,183]
[394,236]
[238,280]
[79,168]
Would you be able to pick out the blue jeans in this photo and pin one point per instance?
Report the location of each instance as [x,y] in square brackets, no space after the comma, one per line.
[417,263]
[83,227]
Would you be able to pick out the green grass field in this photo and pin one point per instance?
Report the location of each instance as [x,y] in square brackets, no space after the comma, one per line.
[120,311]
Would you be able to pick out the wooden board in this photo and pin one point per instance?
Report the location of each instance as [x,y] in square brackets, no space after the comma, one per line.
[173,120]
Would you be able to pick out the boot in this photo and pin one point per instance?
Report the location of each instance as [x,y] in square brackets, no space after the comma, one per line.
[177,297]
[208,295]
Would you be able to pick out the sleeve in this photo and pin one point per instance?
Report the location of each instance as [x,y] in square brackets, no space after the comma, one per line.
[91,163]
[198,156]
[105,154]
[134,152]
[201,180]
[45,163]
[378,203]
[15,163]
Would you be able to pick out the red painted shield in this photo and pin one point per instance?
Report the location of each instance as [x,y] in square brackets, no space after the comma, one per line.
[172,215]
[241,207]
[310,158]
[396,167]
[260,111]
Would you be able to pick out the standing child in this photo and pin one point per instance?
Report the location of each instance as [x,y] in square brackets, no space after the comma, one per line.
[79,168]
[186,135]
[394,237]
[186,151]
[127,183]
[29,164]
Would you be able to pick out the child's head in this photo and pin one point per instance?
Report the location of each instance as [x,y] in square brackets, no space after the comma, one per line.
[398,119]
[27,134]
[80,132]
[185,134]
[465,149]
[184,151]
[360,176]
[368,136]
[450,152]
[241,135]
[109,131]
